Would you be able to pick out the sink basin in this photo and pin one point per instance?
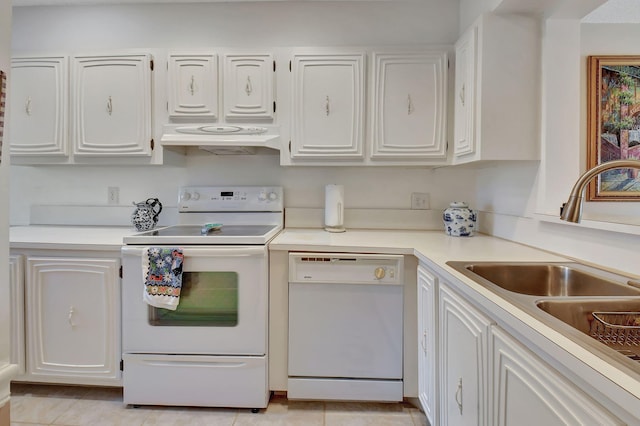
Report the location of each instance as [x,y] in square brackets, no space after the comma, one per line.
[614,322]
[579,313]
[544,279]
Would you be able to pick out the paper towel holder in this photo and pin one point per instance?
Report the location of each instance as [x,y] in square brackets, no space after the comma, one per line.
[335,229]
[334,208]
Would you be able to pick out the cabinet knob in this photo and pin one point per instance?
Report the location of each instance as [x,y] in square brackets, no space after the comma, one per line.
[27,106]
[110,105]
[70,317]
[248,88]
[459,395]
[461,95]
[192,86]
[327,107]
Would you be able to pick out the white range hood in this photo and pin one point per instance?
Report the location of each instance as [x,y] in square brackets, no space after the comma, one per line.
[221,139]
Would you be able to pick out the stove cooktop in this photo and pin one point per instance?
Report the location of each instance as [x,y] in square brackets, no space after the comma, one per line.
[192,234]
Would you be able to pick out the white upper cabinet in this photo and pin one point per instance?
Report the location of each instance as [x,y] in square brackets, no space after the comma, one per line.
[249,87]
[111,105]
[464,94]
[328,106]
[497,87]
[39,106]
[409,101]
[193,85]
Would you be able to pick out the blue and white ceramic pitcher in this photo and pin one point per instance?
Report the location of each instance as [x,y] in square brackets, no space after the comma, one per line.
[459,220]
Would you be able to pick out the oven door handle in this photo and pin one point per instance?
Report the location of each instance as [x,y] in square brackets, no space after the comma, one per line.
[221,251]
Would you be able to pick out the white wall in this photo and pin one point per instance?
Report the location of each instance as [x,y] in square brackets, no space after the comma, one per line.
[566,43]
[244,24]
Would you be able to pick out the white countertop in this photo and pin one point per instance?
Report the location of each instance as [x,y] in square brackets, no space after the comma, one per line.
[68,237]
[434,245]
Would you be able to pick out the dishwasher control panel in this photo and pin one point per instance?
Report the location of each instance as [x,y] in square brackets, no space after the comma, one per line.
[346,268]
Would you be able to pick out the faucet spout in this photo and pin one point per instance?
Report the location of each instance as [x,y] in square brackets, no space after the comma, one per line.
[572,210]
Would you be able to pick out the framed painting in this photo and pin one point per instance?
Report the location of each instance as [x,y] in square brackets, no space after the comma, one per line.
[3,94]
[613,120]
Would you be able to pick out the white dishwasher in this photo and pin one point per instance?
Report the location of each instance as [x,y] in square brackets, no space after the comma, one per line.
[345,326]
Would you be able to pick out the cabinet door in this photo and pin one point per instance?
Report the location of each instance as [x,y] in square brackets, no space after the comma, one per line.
[328,105]
[38,103]
[193,85]
[427,320]
[16,294]
[462,356]
[111,104]
[248,87]
[73,320]
[409,105]
[527,391]
[464,94]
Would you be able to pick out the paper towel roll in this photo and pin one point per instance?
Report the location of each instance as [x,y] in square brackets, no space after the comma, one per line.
[334,208]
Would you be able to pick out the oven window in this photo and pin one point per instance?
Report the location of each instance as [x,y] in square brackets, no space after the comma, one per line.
[208,299]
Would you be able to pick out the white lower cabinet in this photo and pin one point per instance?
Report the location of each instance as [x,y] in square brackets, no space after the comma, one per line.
[427,380]
[527,391]
[73,320]
[463,350]
[16,296]
[485,375]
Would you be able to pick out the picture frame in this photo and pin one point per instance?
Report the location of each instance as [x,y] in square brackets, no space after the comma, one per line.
[613,120]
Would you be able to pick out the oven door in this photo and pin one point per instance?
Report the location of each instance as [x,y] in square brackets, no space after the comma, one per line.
[222,309]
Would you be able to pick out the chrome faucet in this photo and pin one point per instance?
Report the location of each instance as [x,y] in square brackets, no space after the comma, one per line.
[572,209]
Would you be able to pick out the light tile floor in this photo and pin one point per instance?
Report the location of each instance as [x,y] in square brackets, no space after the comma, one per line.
[73,406]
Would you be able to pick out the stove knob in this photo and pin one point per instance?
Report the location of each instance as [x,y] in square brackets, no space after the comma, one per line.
[273,196]
[196,196]
[185,196]
[379,273]
[262,196]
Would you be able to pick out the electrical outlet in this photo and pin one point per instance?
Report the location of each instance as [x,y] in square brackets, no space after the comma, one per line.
[419,201]
[113,195]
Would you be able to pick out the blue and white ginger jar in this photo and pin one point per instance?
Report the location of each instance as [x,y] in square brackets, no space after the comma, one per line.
[459,220]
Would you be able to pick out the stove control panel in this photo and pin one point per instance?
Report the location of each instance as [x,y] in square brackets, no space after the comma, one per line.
[230,199]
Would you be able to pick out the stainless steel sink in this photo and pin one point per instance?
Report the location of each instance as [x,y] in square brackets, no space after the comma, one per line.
[545,279]
[565,296]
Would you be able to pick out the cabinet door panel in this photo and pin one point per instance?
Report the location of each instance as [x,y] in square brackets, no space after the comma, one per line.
[73,318]
[464,94]
[328,99]
[526,391]
[193,85]
[463,361]
[16,293]
[409,106]
[248,83]
[38,104]
[112,105]
[427,320]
